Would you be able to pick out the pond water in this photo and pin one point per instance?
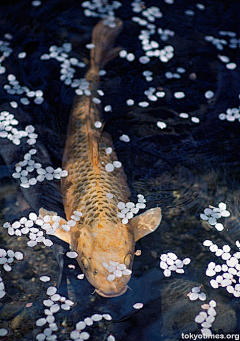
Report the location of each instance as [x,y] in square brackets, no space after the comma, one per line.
[178,140]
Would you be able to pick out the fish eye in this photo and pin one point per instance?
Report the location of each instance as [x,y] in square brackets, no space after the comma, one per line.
[128,260]
[95,272]
[85,263]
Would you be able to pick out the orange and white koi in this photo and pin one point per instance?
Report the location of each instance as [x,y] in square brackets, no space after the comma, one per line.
[93,189]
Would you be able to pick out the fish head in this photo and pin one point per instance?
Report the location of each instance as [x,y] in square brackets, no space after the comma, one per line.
[106,259]
[106,250]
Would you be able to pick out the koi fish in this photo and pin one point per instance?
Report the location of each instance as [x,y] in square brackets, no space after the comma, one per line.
[91,193]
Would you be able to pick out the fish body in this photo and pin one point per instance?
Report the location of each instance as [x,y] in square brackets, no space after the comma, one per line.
[104,244]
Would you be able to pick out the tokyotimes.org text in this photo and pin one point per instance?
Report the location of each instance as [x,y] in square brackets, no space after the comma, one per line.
[195,337]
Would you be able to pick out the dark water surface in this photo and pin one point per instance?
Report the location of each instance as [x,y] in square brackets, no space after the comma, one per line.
[182,168]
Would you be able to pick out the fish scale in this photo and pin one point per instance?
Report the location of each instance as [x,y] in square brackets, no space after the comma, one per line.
[85,182]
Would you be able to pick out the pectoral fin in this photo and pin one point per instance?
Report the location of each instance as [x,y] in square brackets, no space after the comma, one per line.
[146,222]
[59,232]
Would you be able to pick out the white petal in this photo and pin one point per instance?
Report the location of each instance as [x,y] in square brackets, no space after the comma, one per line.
[196,289]
[207,242]
[45,278]
[110,278]
[219,227]
[212,221]
[193,296]
[80,325]
[138,305]
[199,319]
[72,254]
[118,273]
[127,272]
[222,206]
[167,273]
[202,296]
[186,261]
[210,272]
[113,263]
[204,216]
[214,283]
[225,213]
[96,317]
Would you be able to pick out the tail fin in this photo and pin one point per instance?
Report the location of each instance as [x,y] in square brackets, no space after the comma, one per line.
[103,37]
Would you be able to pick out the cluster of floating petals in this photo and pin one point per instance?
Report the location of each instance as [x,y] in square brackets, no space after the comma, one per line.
[102,9]
[169,262]
[229,65]
[28,165]
[5,51]
[7,258]
[129,56]
[148,75]
[25,226]
[218,43]
[153,95]
[7,129]
[116,270]
[231,115]
[186,115]
[166,53]
[68,65]
[151,47]
[14,88]
[212,214]
[110,167]
[127,210]
[206,318]
[53,304]
[228,273]
[80,335]
[226,60]
[52,222]
[137,6]
[176,75]
[232,38]
[165,34]
[196,294]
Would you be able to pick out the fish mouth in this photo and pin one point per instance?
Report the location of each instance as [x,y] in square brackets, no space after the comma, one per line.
[112,294]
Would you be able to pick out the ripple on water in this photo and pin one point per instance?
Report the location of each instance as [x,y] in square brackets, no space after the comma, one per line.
[175,304]
[178,190]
